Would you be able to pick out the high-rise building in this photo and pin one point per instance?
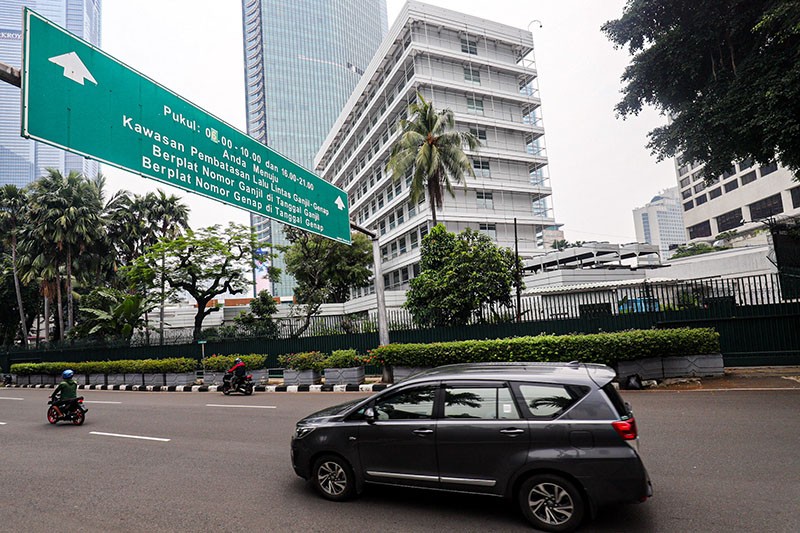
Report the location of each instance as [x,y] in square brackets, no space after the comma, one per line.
[660,221]
[302,61]
[739,200]
[482,71]
[22,160]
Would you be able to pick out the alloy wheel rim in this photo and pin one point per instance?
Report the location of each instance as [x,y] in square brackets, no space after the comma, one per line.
[332,478]
[551,504]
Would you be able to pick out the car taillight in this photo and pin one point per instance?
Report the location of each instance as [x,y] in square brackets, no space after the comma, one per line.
[626,428]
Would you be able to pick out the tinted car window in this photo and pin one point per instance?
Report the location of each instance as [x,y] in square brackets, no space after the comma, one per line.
[616,400]
[547,401]
[410,404]
[492,403]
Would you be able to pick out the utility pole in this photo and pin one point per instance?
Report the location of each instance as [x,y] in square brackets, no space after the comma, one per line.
[383,325]
[517,274]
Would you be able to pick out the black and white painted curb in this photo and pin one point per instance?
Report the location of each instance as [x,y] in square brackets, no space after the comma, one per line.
[370,387]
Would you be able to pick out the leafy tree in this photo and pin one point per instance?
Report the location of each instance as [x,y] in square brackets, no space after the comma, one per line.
[203,263]
[431,149]
[563,244]
[9,313]
[113,315]
[696,249]
[258,322]
[13,202]
[725,71]
[325,270]
[461,277]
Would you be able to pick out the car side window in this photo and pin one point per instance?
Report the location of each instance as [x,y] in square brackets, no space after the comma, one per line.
[486,403]
[546,401]
[409,404]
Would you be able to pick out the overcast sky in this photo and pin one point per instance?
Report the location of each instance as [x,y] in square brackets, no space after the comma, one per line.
[600,169]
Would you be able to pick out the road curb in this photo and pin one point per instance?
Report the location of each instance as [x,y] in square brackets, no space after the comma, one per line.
[371,387]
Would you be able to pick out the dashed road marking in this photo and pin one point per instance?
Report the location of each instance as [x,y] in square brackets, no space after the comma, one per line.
[244,406]
[98,401]
[9,398]
[128,436]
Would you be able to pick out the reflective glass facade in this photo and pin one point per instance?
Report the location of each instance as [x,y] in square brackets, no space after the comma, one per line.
[302,61]
[22,160]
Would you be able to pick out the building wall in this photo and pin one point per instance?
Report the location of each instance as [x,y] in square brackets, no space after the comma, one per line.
[302,61]
[660,221]
[748,192]
[484,73]
[22,160]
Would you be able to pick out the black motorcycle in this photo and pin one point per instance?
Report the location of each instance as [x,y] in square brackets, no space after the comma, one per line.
[245,385]
[72,411]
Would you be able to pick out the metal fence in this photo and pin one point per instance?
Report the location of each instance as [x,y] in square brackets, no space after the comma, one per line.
[759,323]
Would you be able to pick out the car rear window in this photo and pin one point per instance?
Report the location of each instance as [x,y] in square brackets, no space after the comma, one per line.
[547,400]
[616,400]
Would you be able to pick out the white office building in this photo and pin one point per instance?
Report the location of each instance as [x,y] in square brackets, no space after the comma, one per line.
[660,221]
[739,200]
[484,72]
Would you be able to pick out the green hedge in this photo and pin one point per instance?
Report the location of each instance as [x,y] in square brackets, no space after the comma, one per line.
[130,366]
[221,363]
[605,348]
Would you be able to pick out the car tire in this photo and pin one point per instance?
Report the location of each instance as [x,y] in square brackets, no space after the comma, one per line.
[333,478]
[551,503]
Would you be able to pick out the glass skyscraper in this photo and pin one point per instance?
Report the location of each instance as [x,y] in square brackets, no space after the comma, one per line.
[303,58]
[22,160]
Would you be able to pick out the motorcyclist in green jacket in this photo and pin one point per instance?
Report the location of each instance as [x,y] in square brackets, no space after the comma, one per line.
[66,393]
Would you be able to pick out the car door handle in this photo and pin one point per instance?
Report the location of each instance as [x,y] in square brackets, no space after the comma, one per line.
[423,432]
[513,432]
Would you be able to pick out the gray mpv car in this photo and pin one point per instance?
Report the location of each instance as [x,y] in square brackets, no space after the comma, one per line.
[556,437]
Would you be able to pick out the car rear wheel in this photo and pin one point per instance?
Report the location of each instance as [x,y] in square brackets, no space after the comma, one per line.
[551,503]
[333,478]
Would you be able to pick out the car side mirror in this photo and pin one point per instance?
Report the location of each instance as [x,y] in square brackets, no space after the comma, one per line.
[369,414]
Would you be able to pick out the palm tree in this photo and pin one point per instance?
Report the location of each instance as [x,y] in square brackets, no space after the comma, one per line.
[13,203]
[431,149]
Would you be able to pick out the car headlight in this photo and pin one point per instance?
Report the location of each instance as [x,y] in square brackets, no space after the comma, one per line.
[302,431]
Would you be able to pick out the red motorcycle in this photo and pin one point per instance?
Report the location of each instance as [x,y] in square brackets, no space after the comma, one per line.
[71,411]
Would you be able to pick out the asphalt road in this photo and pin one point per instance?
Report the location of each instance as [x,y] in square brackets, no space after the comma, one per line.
[720,461]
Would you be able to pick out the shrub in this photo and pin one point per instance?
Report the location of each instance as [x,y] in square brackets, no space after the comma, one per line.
[604,348]
[303,361]
[343,359]
[124,366]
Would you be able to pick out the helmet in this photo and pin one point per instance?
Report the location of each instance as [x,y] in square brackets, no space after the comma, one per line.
[238,360]
[67,374]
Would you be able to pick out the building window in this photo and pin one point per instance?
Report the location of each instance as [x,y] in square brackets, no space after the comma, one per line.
[731,185]
[699,187]
[468,46]
[768,169]
[688,205]
[479,133]
[414,238]
[728,173]
[646,226]
[472,75]
[714,193]
[700,230]
[474,105]
[700,199]
[485,200]
[730,220]
[490,230]
[747,163]
[749,177]
[795,197]
[481,168]
[686,194]
[685,182]
[767,207]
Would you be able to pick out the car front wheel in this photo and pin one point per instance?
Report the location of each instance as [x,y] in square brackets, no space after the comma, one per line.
[333,478]
[551,503]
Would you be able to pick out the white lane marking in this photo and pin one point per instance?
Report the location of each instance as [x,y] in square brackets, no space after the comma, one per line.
[128,436]
[245,406]
[97,401]
[7,398]
[2,423]
[742,389]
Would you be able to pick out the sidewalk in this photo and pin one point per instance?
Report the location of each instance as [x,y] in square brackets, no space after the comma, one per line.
[755,377]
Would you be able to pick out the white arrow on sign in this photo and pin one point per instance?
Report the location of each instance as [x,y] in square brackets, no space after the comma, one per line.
[339,202]
[74,68]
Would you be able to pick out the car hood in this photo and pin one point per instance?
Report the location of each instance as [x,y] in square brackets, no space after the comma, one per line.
[330,412]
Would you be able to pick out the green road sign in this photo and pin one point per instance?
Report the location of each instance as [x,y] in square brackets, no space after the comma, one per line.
[76,97]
